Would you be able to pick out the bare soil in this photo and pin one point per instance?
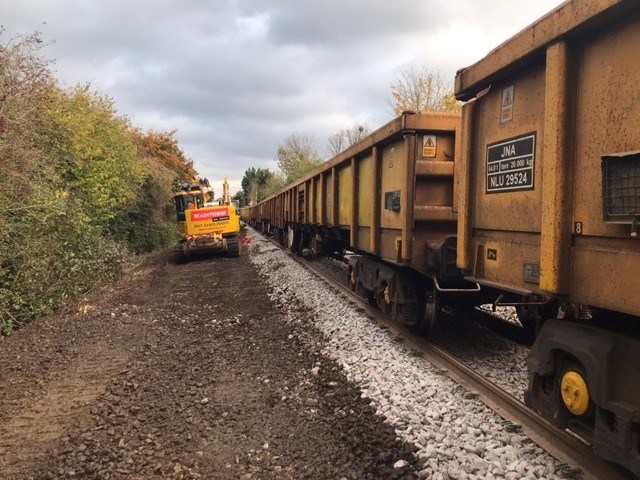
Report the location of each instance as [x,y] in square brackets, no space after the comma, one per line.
[184,371]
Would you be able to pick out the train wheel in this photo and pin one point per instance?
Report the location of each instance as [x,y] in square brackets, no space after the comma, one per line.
[383,298]
[368,295]
[427,319]
[574,407]
[573,390]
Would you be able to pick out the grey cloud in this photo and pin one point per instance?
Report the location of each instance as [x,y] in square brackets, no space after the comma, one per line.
[234,77]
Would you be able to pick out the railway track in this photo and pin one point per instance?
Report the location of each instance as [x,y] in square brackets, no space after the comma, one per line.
[563,445]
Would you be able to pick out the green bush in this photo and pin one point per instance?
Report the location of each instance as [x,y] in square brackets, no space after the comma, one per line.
[82,192]
[148,221]
[51,257]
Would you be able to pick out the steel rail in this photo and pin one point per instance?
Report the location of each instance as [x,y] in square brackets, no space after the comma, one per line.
[563,445]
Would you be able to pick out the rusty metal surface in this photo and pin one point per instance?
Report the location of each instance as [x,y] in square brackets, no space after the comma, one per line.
[609,106]
[582,102]
[391,194]
[393,175]
[491,244]
[365,193]
[556,185]
[509,211]
[345,194]
[374,238]
[431,121]
[616,272]
[353,209]
[464,173]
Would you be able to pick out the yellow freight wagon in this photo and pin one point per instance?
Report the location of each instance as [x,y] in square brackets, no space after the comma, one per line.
[550,206]
[391,200]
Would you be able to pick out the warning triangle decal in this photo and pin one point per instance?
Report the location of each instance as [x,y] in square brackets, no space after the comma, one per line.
[507,99]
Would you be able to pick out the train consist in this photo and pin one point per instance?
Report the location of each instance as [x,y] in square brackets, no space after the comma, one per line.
[531,199]
[391,197]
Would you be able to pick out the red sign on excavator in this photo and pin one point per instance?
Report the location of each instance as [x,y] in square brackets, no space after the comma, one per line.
[204,215]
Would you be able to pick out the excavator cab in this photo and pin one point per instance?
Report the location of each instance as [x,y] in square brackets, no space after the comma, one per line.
[187,201]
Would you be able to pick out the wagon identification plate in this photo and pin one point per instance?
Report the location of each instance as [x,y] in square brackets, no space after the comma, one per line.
[511,164]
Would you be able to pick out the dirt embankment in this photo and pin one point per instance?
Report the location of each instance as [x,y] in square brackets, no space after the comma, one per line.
[184,371]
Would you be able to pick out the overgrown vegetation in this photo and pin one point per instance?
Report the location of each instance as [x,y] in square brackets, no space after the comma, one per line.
[82,192]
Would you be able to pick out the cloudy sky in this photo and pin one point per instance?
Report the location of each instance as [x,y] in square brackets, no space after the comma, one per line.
[234,77]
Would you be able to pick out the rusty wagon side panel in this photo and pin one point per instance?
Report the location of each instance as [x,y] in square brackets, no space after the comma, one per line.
[549,208]
[390,195]
[577,99]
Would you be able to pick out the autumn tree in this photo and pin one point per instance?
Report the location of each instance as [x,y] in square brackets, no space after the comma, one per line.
[25,88]
[298,154]
[49,251]
[240,198]
[421,90]
[343,139]
[149,220]
[101,164]
[164,147]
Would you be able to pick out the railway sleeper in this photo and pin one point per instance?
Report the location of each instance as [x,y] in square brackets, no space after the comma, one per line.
[579,379]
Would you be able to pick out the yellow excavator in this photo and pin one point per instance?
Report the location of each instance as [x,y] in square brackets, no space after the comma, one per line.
[204,225]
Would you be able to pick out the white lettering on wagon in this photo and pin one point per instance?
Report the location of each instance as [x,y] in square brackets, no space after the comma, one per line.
[511,164]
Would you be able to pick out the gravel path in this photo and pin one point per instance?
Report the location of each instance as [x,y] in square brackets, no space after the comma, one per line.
[185,372]
[456,436]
